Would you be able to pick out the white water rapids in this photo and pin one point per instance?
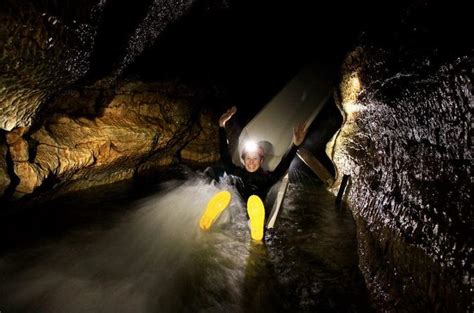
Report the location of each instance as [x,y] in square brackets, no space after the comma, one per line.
[151,261]
[148,255]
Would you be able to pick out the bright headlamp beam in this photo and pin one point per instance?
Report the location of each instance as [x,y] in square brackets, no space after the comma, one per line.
[250,146]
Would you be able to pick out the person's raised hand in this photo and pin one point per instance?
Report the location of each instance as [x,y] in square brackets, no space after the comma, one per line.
[226,116]
[299,133]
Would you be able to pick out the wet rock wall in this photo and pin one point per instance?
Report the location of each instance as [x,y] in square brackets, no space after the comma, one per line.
[47,46]
[40,53]
[95,136]
[405,142]
[66,116]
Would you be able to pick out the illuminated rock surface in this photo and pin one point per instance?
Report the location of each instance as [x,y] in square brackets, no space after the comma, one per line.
[405,143]
[139,127]
[47,46]
[57,129]
[39,56]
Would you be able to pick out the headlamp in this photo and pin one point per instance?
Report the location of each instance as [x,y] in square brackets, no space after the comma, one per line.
[250,146]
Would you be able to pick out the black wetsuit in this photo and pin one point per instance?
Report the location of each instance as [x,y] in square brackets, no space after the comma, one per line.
[256,183]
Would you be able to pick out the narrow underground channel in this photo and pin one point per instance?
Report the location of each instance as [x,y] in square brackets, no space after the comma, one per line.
[118,253]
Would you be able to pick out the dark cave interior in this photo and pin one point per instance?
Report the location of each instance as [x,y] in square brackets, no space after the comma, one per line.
[94,93]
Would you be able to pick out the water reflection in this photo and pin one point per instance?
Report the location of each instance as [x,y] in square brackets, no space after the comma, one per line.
[260,287]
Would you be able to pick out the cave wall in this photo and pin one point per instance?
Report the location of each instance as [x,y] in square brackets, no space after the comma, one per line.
[95,135]
[405,143]
[40,53]
[66,116]
[47,46]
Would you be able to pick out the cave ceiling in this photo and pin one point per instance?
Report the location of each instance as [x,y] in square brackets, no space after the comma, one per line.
[251,49]
[248,48]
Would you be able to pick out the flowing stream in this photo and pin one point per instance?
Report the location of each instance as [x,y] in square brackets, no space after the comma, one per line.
[137,248]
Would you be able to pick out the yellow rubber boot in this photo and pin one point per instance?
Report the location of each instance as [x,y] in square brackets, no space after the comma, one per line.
[214,208]
[256,211]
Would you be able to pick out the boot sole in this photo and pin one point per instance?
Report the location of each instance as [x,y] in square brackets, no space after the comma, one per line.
[214,208]
[256,212]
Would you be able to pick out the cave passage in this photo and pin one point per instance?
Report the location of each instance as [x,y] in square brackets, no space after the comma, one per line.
[135,247]
[93,92]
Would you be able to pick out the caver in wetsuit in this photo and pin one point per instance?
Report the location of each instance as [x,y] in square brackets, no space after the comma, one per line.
[258,182]
[253,184]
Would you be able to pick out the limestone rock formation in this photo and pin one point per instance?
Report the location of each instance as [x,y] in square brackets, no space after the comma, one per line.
[139,127]
[39,55]
[405,144]
[46,46]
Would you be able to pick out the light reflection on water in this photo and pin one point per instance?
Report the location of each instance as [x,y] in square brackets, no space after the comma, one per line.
[155,259]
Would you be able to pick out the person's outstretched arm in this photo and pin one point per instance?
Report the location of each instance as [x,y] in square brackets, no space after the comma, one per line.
[299,133]
[223,147]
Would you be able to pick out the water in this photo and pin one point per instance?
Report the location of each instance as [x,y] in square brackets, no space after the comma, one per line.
[140,250]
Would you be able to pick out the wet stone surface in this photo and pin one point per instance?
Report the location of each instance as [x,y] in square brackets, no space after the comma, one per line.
[406,146]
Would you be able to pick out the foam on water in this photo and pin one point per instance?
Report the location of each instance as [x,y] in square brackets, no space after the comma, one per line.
[155,259]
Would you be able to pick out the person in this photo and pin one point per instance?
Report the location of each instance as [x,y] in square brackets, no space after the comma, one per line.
[254,182]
